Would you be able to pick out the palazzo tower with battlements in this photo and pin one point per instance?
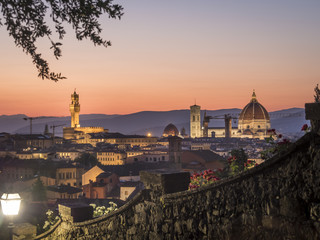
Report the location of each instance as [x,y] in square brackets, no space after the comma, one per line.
[75,132]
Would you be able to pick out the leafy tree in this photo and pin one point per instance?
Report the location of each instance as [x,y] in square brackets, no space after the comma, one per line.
[25,21]
[38,191]
[87,160]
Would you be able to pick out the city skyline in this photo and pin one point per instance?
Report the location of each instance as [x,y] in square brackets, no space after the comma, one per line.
[164,55]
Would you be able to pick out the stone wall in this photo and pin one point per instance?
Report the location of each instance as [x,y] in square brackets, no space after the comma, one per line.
[279,199]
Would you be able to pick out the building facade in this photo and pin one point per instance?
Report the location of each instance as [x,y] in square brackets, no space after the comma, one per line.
[69,175]
[111,157]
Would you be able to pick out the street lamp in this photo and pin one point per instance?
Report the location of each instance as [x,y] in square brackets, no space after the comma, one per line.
[10,204]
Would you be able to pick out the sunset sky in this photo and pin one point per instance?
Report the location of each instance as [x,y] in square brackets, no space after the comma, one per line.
[165,54]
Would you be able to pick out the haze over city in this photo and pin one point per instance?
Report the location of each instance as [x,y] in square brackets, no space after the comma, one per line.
[166,54]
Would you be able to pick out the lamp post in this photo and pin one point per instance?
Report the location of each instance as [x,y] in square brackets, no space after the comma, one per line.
[10,203]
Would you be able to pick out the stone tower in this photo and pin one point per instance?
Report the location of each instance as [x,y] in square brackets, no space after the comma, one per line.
[74,110]
[195,123]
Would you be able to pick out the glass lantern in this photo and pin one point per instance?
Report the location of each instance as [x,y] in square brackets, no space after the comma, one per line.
[10,203]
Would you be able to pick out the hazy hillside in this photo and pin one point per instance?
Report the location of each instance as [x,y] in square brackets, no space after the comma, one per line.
[10,123]
[285,121]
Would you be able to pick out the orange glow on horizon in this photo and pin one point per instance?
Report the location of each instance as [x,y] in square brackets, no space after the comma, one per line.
[216,52]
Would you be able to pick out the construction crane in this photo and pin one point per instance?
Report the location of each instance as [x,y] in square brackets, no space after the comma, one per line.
[227,120]
[31,119]
[53,127]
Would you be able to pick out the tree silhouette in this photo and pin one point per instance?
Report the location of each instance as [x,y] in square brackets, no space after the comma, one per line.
[25,21]
[87,160]
[317,94]
[38,191]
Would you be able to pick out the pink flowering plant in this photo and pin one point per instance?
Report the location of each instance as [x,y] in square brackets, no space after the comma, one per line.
[204,178]
[277,144]
[249,164]
[238,162]
[305,128]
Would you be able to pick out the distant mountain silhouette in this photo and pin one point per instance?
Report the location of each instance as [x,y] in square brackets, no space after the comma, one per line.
[285,121]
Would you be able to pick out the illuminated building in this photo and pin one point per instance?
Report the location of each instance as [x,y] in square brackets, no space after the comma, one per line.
[69,175]
[195,121]
[253,122]
[170,130]
[76,132]
[111,157]
[75,110]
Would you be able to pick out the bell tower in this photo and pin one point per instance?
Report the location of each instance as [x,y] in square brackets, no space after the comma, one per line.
[74,110]
[195,123]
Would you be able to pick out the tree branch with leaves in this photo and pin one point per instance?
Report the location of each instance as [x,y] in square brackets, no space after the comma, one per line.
[25,22]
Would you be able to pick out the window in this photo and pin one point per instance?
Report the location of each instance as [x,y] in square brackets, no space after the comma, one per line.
[193,118]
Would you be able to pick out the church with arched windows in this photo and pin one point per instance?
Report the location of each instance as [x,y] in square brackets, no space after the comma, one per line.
[253,122]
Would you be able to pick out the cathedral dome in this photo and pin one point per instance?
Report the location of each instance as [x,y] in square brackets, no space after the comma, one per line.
[170,130]
[254,111]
